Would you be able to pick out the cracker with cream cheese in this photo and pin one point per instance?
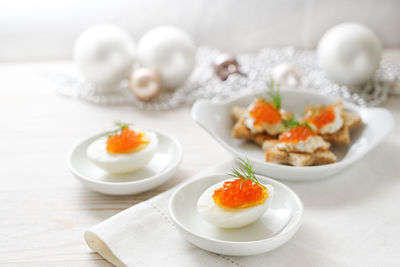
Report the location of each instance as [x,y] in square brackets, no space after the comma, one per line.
[275,155]
[342,135]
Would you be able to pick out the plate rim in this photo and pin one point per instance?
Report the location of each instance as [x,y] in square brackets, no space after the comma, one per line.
[145,180]
[232,150]
[294,228]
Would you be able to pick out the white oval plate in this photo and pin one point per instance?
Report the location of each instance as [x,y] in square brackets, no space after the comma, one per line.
[216,119]
[273,229]
[165,162]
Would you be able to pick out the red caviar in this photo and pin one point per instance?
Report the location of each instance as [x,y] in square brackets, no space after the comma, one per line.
[240,193]
[321,116]
[126,141]
[265,112]
[296,134]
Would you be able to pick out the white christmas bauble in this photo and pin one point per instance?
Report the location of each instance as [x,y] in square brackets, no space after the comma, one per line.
[286,75]
[145,84]
[349,53]
[169,50]
[104,54]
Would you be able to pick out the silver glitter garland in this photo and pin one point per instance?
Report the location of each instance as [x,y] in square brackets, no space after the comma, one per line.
[257,68]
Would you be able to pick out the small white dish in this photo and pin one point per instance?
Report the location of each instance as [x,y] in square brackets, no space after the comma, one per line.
[273,229]
[163,165]
[217,120]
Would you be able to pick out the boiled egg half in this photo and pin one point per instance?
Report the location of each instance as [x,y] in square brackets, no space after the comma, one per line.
[124,150]
[234,203]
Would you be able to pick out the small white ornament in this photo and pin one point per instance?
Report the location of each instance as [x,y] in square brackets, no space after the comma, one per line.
[286,75]
[169,50]
[145,84]
[349,53]
[104,54]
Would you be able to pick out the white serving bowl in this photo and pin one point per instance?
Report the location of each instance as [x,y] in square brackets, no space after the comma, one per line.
[273,229]
[217,120]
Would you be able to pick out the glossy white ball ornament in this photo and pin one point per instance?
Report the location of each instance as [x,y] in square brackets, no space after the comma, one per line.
[349,53]
[104,54]
[169,50]
[286,75]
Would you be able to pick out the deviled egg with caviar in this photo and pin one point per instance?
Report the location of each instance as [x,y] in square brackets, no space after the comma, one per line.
[236,202]
[123,150]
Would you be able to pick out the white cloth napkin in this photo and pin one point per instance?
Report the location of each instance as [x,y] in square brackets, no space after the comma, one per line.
[144,235]
[351,219]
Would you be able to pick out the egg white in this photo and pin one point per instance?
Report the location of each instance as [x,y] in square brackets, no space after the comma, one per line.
[121,163]
[230,217]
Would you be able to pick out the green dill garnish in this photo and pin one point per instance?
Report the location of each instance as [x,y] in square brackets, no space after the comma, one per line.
[274,95]
[245,172]
[308,125]
[291,122]
[120,127]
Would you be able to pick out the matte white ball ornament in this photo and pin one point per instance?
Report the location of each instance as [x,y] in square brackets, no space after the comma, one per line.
[349,53]
[286,75]
[104,54]
[169,50]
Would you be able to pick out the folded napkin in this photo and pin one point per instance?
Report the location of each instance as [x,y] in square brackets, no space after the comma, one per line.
[144,235]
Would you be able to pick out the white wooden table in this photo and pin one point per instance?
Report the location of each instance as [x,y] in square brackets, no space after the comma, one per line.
[43,209]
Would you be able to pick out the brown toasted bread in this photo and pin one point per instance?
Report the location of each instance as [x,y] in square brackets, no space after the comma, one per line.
[342,136]
[352,120]
[240,131]
[238,112]
[319,157]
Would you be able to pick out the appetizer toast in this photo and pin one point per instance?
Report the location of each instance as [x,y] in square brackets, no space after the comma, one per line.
[303,143]
[318,157]
[240,131]
[342,136]
[346,121]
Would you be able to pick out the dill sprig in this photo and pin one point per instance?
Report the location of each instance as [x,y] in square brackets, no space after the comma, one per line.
[291,122]
[245,172]
[120,127]
[274,95]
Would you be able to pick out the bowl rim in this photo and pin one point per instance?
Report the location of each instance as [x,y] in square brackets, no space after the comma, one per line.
[294,227]
[86,178]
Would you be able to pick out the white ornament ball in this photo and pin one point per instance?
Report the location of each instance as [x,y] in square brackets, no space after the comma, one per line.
[104,54]
[145,84]
[169,50]
[349,53]
[286,75]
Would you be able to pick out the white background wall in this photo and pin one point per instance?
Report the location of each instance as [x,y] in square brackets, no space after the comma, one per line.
[47,29]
